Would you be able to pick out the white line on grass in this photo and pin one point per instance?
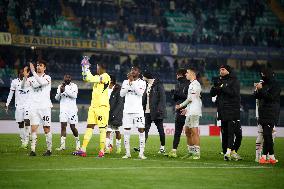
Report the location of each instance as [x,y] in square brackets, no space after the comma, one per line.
[184,161]
[127,168]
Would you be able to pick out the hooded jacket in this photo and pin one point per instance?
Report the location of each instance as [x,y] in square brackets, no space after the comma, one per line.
[227,91]
[157,100]
[116,107]
[268,99]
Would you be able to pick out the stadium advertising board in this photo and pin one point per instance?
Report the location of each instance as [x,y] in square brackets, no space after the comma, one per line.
[135,48]
[5,38]
[54,42]
[172,49]
[211,51]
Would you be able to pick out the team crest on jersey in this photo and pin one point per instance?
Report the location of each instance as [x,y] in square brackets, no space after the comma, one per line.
[100,118]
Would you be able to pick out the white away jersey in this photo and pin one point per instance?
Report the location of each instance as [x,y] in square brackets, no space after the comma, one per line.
[194,103]
[41,87]
[22,94]
[68,97]
[133,96]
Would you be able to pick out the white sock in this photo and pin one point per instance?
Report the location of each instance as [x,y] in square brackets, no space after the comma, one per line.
[127,141]
[272,157]
[162,147]
[34,140]
[62,142]
[111,138]
[142,143]
[228,151]
[273,135]
[48,139]
[107,142]
[77,142]
[27,134]
[263,156]
[258,145]
[22,134]
[197,149]
[118,143]
[258,149]
[190,149]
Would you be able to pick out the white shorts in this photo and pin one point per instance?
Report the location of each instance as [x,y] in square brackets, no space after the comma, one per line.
[70,117]
[133,120]
[21,114]
[192,121]
[41,117]
[111,128]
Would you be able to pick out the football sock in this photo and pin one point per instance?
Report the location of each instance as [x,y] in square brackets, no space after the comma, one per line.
[102,138]
[107,142]
[48,139]
[162,147]
[190,149]
[197,149]
[142,142]
[258,149]
[228,151]
[272,157]
[111,138]
[34,140]
[118,143]
[263,156]
[126,141]
[87,137]
[77,141]
[273,134]
[22,135]
[62,142]
[27,134]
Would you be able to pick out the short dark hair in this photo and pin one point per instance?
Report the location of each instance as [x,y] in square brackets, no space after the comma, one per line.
[113,79]
[148,74]
[181,71]
[41,61]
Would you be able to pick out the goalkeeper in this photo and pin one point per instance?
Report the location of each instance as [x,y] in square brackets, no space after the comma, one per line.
[99,110]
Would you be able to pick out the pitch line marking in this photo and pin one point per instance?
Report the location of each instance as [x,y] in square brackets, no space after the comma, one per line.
[127,168]
[187,162]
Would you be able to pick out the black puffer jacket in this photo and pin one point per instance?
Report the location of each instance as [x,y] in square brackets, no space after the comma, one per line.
[227,90]
[157,101]
[116,107]
[181,89]
[269,100]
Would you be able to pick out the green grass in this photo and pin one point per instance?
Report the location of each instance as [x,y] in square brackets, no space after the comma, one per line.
[62,170]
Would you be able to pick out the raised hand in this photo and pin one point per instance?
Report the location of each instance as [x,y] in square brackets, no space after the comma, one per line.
[32,67]
[130,77]
[62,88]
[85,61]
[26,72]
[183,111]
[178,107]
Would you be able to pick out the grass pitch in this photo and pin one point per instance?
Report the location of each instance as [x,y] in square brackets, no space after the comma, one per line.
[62,170]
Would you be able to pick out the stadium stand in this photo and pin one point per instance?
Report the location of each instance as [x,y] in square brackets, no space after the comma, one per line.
[250,23]
[224,24]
